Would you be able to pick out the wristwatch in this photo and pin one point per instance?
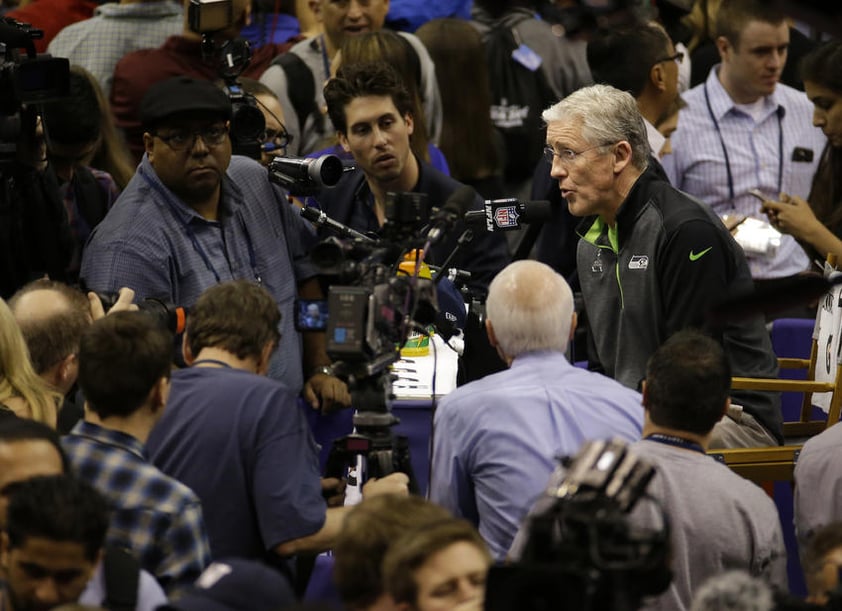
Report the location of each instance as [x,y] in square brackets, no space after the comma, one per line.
[323,369]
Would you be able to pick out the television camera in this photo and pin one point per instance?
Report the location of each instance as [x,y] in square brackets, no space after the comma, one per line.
[373,308]
[580,550]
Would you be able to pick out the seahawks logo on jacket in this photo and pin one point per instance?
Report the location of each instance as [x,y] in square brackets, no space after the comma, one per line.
[639,262]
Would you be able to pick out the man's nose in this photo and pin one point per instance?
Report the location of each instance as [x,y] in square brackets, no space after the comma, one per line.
[380,138]
[819,117]
[47,592]
[200,147]
[355,10]
[777,59]
[558,170]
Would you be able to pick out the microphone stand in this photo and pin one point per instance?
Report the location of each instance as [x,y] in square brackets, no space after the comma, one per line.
[465,238]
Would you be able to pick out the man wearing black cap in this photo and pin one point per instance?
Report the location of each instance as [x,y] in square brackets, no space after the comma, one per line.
[193,216]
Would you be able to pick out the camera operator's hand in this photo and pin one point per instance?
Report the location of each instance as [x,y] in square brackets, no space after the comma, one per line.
[326,392]
[333,490]
[124,303]
[394,483]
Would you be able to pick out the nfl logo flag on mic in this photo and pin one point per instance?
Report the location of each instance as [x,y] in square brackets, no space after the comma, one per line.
[501,215]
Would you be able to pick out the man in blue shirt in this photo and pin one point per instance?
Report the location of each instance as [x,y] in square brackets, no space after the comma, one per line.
[742,129]
[193,216]
[124,372]
[239,439]
[496,439]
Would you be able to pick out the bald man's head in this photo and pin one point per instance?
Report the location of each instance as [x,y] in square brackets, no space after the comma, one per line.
[52,317]
[529,308]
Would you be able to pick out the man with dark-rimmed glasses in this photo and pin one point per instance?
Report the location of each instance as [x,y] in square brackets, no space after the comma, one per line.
[194,216]
[651,259]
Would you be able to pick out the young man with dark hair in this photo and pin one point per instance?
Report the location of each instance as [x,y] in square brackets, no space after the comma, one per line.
[308,65]
[55,529]
[821,559]
[742,130]
[718,520]
[370,108]
[124,371]
[238,438]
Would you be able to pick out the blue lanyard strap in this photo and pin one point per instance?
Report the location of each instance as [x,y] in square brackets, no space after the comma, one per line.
[197,246]
[678,442]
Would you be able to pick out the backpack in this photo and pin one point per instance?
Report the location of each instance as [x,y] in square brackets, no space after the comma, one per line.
[122,575]
[519,94]
[301,89]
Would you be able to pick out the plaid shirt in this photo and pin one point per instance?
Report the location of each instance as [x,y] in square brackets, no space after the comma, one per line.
[154,515]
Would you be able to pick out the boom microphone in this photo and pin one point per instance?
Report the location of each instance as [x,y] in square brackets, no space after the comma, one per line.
[509,214]
[454,209]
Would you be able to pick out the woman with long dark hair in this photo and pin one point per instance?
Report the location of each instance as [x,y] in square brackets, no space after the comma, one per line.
[817,222]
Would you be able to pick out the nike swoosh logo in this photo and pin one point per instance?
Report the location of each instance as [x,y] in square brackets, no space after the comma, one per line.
[696,256]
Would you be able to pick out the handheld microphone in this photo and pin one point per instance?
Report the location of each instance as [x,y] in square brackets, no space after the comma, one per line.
[509,214]
[314,215]
[453,210]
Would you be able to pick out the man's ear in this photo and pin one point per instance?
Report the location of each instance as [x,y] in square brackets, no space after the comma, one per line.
[657,77]
[148,140]
[316,7]
[68,369]
[727,405]
[645,392]
[622,156]
[264,358]
[574,321]
[186,352]
[410,123]
[343,142]
[723,45]
[489,331]
[159,395]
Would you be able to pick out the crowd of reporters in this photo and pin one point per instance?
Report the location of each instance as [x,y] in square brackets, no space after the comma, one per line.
[144,467]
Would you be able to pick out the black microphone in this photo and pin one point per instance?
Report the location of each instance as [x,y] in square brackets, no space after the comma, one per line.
[509,214]
[453,210]
[314,215]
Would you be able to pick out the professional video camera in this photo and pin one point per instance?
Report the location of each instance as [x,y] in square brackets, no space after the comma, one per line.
[373,308]
[25,82]
[580,550]
[305,176]
[170,316]
[232,56]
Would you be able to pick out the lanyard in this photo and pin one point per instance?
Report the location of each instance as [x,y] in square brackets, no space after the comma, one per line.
[780,113]
[678,442]
[212,362]
[197,246]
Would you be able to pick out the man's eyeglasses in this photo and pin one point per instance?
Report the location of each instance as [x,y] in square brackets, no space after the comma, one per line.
[677,58]
[566,156]
[276,139]
[181,139]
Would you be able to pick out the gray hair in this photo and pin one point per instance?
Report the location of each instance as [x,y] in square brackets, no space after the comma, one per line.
[531,308]
[733,591]
[608,115]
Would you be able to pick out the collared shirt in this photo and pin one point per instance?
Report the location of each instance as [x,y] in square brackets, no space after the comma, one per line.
[157,245]
[755,151]
[98,43]
[154,515]
[656,138]
[496,438]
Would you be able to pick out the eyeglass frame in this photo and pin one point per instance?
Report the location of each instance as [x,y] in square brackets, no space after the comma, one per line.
[281,140]
[678,57]
[193,134]
[567,156]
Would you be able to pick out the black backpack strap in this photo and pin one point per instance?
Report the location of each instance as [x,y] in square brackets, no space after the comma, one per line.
[122,575]
[301,87]
[90,197]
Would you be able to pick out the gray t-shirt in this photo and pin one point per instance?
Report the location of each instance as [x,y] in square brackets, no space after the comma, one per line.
[718,521]
[818,486]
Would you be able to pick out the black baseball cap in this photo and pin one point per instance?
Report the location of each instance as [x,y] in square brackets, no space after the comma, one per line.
[182,94]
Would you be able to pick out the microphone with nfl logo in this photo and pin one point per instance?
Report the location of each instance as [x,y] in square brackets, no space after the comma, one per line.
[509,214]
